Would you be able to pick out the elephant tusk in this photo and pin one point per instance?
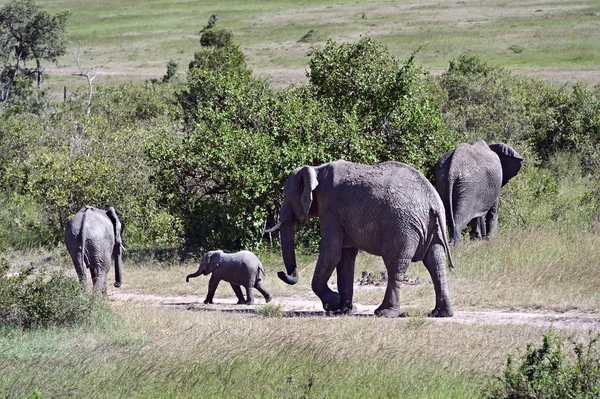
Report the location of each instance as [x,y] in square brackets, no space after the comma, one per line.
[272,229]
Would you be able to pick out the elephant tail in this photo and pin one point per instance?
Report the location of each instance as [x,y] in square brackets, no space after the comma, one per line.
[82,252]
[261,269]
[450,210]
[442,228]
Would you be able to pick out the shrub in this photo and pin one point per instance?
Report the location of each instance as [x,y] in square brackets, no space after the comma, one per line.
[30,300]
[385,97]
[100,161]
[547,372]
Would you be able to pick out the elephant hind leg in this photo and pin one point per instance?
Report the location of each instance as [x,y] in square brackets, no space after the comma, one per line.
[80,270]
[435,262]
[249,295]
[268,297]
[396,268]
[238,292]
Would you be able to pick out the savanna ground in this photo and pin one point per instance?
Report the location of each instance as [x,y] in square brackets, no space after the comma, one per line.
[157,339]
[160,340]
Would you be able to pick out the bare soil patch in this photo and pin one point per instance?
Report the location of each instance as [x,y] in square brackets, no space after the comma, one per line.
[308,305]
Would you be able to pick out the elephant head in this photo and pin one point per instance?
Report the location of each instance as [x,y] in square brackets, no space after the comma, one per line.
[209,262]
[118,245]
[298,202]
[510,159]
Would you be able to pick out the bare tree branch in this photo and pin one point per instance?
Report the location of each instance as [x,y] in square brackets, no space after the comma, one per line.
[90,75]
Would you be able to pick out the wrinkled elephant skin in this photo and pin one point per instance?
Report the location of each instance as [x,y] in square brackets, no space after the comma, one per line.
[93,239]
[468,180]
[389,210]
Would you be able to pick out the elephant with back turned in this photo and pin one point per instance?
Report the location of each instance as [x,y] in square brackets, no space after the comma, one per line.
[93,239]
[468,179]
[390,210]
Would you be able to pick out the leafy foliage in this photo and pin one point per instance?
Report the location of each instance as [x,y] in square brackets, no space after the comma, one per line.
[30,299]
[547,372]
[28,32]
[386,97]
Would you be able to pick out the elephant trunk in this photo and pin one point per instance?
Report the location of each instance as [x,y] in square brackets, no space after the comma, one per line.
[288,253]
[118,267]
[189,276]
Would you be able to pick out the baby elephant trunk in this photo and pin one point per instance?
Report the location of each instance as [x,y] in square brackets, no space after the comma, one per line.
[189,276]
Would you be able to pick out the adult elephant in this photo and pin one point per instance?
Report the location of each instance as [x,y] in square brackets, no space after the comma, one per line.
[93,239]
[468,179]
[390,210]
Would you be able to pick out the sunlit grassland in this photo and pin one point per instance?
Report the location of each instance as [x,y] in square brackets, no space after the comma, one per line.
[519,270]
[143,349]
[134,40]
[151,351]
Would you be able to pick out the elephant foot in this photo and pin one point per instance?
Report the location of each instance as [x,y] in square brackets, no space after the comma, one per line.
[388,312]
[345,311]
[331,302]
[442,313]
[240,302]
[207,302]
[268,298]
[249,302]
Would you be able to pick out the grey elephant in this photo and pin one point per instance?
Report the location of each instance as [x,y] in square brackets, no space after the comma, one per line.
[468,180]
[93,239]
[390,210]
[238,269]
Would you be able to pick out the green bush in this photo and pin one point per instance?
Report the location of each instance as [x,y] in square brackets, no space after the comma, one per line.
[100,161]
[549,372]
[387,99]
[555,192]
[31,300]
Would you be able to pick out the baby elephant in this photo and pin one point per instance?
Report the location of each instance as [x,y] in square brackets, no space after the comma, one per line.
[241,268]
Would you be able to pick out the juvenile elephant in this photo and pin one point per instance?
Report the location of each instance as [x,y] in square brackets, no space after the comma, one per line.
[239,269]
[93,239]
[468,180]
[390,210]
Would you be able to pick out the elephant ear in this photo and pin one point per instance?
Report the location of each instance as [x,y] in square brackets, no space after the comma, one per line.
[307,184]
[214,260]
[112,215]
[509,158]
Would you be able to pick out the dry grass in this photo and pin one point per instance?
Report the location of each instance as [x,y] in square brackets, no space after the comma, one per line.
[144,349]
[157,352]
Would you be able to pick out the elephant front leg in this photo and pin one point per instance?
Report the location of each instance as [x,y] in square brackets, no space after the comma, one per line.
[491,220]
[213,283]
[477,228]
[238,292]
[396,268]
[435,262]
[345,280]
[329,257]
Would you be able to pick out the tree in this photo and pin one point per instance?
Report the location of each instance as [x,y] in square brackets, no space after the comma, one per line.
[28,33]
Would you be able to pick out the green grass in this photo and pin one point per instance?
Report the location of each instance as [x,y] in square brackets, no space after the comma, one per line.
[134,40]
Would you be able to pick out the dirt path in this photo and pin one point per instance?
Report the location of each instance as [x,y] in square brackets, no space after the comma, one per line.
[298,305]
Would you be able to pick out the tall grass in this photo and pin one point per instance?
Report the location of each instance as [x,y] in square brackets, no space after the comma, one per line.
[158,352]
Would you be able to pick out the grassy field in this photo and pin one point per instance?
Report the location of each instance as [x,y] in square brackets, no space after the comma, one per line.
[142,349]
[131,40]
[137,348]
